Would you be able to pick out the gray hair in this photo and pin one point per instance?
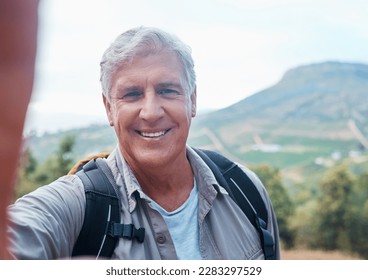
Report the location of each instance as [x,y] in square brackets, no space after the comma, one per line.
[147,40]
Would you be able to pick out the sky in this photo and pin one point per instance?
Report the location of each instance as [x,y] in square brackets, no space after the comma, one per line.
[239,47]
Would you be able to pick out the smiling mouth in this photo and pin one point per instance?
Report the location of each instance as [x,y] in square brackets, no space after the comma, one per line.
[153,134]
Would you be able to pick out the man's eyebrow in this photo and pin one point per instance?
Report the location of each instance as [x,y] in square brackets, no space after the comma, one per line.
[170,84]
[127,88]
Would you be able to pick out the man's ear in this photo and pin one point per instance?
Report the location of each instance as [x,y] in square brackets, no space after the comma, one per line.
[108,109]
[193,99]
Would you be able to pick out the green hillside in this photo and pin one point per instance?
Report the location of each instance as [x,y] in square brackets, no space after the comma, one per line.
[313,118]
[88,141]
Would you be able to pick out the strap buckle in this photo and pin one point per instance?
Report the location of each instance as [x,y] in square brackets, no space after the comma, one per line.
[127,231]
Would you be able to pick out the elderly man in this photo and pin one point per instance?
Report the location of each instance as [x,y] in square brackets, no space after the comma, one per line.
[164,186]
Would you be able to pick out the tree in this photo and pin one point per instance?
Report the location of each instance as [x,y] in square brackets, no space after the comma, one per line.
[358,222]
[334,209]
[32,175]
[282,204]
[58,164]
[27,166]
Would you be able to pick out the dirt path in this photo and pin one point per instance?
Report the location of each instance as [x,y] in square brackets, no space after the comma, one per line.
[357,133]
[304,254]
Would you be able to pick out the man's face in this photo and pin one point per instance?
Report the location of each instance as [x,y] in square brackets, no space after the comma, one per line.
[150,110]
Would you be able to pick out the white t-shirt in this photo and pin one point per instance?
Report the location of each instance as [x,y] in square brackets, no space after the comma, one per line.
[183,226]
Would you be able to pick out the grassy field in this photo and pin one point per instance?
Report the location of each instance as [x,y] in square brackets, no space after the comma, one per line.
[315,255]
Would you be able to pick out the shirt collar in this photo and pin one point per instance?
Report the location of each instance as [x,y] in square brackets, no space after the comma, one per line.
[202,172]
[128,180]
[206,181]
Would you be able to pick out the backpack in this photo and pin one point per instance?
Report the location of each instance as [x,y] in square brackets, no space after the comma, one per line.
[103,205]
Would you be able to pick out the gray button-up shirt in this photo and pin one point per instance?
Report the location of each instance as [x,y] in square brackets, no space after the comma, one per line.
[46,223]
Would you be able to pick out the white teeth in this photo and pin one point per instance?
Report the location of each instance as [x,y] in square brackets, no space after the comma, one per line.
[154,134]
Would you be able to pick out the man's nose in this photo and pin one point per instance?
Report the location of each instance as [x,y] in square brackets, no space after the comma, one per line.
[151,109]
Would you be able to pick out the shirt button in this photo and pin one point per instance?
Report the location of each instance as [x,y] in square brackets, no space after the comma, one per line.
[161,238]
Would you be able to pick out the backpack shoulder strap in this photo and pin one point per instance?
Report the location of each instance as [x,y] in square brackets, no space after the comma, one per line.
[101,228]
[102,208]
[243,191]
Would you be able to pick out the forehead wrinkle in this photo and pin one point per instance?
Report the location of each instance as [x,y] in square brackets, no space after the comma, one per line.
[126,83]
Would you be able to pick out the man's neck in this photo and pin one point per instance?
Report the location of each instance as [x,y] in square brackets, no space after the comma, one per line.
[168,186]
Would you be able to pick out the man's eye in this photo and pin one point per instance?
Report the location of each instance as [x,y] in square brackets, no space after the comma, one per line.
[168,91]
[132,95]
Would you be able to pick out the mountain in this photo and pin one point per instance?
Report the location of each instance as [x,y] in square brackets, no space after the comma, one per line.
[315,116]
[324,91]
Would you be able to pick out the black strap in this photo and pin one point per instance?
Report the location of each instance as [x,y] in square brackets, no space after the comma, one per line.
[243,191]
[246,190]
[102,208]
